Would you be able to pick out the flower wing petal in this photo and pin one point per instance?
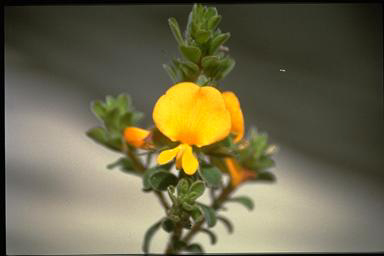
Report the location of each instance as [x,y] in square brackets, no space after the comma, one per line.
[167,155]
[233,105]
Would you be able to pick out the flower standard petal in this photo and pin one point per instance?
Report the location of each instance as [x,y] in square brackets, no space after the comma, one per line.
[192,114]
[233,105]
[135,136]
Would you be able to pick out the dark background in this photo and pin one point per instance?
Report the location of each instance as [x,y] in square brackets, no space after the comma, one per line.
[325,112]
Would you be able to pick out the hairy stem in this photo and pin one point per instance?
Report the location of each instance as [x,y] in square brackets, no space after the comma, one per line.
[216,204]
[173,239]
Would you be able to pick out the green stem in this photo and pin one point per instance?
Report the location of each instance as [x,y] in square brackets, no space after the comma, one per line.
[216,204]
[173,239]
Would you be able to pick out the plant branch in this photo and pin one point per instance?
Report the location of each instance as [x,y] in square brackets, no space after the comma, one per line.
[173,239]
[216,204]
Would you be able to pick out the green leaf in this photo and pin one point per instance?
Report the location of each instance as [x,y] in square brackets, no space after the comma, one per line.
[171,191]
[172,74]
[111,120]
[126,120]
[137,116]
[182,187]
[196,214]
[244,200]
[191,53]
[202,36]
[217,41]
[211,12]
[209,215]
[161,180]
[147,174]
[186,206]
[168,225]
[149,234]
[213,22]
[110,102]
[189,69]
[265,162]
[211,235]
[124,163]
[195,248]
[191,66]
[211,175]
[98,134]
[176,30]
[115,142]
[123,102]
[210,62]
[98,109]
[196,190]
[226,65]
[265,176]
[260,144]
[199,11]
[227,223]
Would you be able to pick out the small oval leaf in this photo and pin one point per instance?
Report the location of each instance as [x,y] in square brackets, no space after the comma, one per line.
[146,184]
[161,180]
[98,109]
[98,134]
[149,234]
[244,200]
[209,215]
[196,214]
[227,223]
[202,36]
[168,225]
[174,26]
[182,187]
[191,53]
[212,236]
[196,190]
[217,41]
[196,248]
[211,175]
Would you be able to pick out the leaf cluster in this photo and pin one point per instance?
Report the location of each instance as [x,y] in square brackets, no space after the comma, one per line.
[204,57]
[115,113]
[255,156]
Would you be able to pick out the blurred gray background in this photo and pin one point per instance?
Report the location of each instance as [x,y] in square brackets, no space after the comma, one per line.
[325,112]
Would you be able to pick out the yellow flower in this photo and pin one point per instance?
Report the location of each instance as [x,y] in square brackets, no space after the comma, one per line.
[136,136]
[192,115]
[233,105]
[238,174]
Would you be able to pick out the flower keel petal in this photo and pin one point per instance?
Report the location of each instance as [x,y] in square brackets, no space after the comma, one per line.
[189,161]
